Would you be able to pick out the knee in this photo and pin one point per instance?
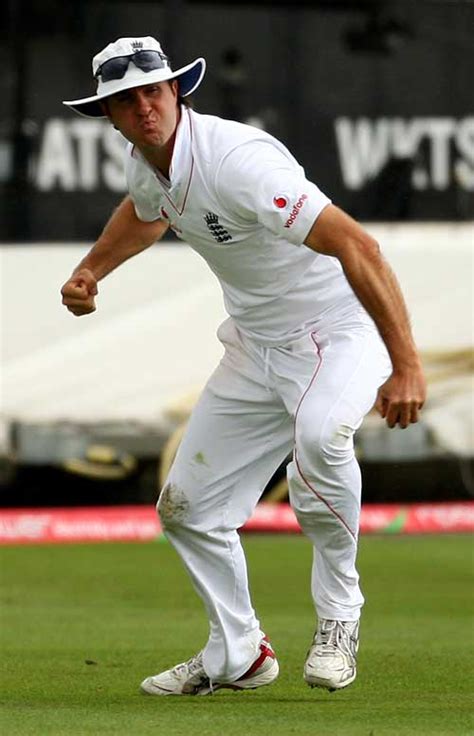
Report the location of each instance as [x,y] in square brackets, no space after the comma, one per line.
[338,445]
[333,444]
[173,506]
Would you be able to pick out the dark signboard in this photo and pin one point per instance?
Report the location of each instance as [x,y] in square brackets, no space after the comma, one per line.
[377,106]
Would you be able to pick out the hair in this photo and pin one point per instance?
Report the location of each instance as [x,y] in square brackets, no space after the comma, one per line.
[186,101]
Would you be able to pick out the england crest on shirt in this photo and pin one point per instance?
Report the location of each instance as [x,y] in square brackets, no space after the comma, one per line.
[218,232]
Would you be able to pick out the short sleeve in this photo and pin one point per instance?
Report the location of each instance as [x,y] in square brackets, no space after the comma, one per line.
[143,211]
[260,180]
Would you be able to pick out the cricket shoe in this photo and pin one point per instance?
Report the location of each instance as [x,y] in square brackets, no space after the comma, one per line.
[331,660]
[190,678]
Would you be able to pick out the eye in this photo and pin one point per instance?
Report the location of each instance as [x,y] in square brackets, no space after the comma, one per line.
[123,97]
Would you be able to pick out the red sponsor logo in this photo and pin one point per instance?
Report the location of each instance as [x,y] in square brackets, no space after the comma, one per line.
[280,201]
[296,210]
[164,214]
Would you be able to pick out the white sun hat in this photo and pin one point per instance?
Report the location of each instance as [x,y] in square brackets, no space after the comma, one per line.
[133,62]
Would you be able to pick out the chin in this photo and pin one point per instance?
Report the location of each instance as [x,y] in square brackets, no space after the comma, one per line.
[150,140]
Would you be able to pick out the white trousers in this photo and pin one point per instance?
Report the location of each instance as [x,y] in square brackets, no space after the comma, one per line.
[309,396]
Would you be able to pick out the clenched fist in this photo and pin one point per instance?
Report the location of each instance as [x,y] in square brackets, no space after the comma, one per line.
[79,293]
[401,398]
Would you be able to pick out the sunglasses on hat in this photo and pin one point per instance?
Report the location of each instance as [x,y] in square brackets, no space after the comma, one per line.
[116,68]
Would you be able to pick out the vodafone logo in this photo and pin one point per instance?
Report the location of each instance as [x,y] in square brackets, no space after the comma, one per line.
[280,201]
[164,214]
[296,210]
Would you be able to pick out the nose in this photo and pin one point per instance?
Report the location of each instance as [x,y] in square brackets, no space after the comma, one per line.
[142,103]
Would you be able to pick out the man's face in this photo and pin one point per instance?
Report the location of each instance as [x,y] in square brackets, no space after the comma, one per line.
[147,115]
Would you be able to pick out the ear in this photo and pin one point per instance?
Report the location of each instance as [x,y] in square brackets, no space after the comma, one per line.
[175,87]
[105,107]
[106,110]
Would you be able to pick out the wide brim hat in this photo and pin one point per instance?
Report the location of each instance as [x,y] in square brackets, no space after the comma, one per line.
[189,77]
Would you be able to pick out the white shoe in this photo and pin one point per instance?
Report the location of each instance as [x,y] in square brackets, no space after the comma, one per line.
[189,678]
[331,660]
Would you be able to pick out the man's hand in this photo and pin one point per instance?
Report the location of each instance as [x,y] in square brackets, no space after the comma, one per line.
[401,397]
[79,293]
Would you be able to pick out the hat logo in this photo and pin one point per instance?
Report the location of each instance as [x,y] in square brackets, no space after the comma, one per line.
[137,45]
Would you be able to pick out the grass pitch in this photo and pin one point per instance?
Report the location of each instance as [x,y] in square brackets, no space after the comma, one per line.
[82,625]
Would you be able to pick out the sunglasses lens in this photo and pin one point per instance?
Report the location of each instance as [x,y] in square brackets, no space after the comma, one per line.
[148,60]
[144,60]
[113,68]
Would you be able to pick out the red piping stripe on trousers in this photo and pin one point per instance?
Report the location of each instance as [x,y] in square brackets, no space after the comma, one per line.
[295,455]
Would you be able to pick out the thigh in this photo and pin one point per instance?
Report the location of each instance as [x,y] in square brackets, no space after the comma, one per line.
[331,382]
[238,434]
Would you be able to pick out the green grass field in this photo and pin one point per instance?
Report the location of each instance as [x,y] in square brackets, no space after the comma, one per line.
[82,625]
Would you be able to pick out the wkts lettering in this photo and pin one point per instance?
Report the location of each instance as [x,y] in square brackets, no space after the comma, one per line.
[442,149]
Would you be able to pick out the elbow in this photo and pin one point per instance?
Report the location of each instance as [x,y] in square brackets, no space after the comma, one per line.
[369,248]
[360,253]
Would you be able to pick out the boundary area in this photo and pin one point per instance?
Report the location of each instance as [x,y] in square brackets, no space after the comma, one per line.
[141,523]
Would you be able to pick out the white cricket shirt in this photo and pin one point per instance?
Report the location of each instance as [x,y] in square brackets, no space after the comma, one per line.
[242,201]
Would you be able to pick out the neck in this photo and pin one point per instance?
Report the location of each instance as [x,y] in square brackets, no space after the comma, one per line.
[160,158]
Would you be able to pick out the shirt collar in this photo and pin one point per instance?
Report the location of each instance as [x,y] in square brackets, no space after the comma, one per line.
[182,152]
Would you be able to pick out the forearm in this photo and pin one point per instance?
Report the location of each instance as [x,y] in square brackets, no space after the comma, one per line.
[124,236]
[335,233]
[378,290]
